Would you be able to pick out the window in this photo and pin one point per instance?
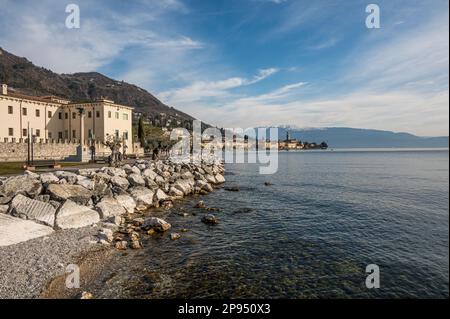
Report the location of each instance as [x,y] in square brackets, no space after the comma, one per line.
[24,111]
[89,114]
[49,135]
[66,115]
[38,113]
[74,115]
[125,135]
[10,109]
[38,133]
[49,114]
[97,113]
[109,114]
[125,116]
[74,134]
[60,115]
[24,132]
[90,133]
[117,115]
[60,134]
[11,131]
[117,134]
[66,134]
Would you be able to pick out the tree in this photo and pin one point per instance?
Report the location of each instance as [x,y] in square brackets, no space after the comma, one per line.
[141,131]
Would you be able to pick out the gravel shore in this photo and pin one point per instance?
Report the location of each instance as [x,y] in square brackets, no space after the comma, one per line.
[27,268]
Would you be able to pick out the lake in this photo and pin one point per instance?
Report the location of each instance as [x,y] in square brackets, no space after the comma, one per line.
[311,234]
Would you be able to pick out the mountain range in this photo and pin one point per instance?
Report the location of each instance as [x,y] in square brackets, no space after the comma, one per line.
[23,76]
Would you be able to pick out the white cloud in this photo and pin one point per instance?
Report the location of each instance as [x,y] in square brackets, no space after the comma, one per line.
[216,89]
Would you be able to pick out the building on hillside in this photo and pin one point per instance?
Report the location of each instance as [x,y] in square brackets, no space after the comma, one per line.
[55,120]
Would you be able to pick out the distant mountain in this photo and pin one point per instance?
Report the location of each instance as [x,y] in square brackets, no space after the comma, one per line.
[340,137]
[24,77]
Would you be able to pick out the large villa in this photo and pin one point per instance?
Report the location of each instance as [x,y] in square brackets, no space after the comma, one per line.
[53,120]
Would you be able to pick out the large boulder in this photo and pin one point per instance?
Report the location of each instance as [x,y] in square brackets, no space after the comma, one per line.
[5,199]
[219,179]
[76,193]
[23,184]
[113,171]
[71,178]
[72,215]
[127,202]
[109,207]
[136,179]
[143,197]
[49,178]
[183,186]
[4,209]
[175,193]
[28,208]
[87,172]
[119,181]
[149,173]
[85,182]
[160,196]
[157,224]
[15,230]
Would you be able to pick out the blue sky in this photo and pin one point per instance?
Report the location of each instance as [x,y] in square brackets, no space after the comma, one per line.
[242,63]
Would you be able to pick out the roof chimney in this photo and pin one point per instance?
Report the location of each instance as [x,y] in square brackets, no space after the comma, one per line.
[4,89]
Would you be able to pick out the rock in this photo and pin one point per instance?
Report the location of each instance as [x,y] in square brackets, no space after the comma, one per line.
[85,182]
[183,186]
[219,179]
[150,183]
[141,166]
[136,244]
[167,204]
[143,197]
[71,215]
[184,230]
[210,219]
[113,171]
[27,208]
[5,199]
[49,178]
[23,184]
[86,295]
[160,196]
[268,184]
[187,175]
[31,174]
[136,180]
[106,234]
[127,168]
[157,224]
[120,182]
[71,178]
[108,207]
[210,179]
[232,189]
[175,236]
[43,198]
[121,245]
[100,188]
[149,173]
[4,209]
[87,172]
[127,202]
[176,193]
[101,176]
[15,230]
[76,193]
[200,204]
[116,220]
[138,222]
[135,170]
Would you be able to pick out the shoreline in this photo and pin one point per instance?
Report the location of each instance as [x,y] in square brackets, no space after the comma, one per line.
[36,268]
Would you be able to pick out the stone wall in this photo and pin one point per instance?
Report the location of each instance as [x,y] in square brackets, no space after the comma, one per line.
[17,152]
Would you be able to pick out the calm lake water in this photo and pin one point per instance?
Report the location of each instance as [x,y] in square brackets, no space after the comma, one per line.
[309,235]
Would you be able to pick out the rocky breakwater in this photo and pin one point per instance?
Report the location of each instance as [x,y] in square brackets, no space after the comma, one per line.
[34,205]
